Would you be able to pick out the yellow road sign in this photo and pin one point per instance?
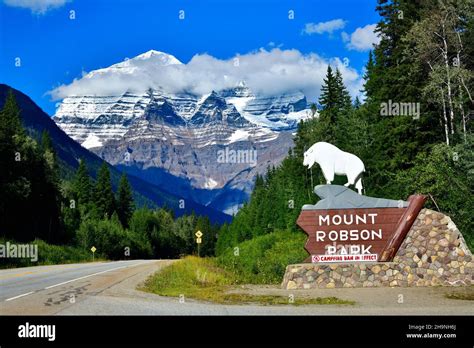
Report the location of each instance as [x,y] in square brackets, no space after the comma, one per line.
[199,240]
[93,249]
[199,234]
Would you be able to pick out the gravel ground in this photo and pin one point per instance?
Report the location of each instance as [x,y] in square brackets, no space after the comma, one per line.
[114,293]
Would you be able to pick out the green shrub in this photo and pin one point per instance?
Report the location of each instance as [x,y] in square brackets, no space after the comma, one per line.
[264,259]
[49,254]
[57,254]
[111,239]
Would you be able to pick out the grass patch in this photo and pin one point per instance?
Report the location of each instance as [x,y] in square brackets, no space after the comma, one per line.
[466,294]
[203,279]
[263,260]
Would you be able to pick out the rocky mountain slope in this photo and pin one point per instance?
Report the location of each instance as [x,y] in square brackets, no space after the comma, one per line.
[208,147]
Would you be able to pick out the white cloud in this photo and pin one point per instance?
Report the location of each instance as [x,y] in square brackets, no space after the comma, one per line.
[345,37]
[362,39]
[36,6]
[272,44]
[266,72]
[324,27]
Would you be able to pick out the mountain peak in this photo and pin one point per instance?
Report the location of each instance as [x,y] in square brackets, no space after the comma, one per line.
[147,60]
[162,57]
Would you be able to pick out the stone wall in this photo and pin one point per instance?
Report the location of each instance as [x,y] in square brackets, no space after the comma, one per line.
[434,252]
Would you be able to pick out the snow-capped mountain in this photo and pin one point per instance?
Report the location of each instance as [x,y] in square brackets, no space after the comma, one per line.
[146,60]
[36,121]
[156,133]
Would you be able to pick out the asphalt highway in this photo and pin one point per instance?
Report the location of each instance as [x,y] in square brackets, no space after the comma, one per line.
[19,282]
[49,289]
[110,288]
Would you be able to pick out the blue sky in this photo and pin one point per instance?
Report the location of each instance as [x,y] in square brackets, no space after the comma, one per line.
[54,49]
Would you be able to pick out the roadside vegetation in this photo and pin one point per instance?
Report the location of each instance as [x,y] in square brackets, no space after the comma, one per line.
[263,260]
[49,254]
[203,279]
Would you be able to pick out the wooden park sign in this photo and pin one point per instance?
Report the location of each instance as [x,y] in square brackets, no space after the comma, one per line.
[353,234]
[348,227]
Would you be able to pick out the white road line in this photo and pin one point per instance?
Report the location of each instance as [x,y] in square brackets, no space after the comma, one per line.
[13,298]
[87,276]
[73,280]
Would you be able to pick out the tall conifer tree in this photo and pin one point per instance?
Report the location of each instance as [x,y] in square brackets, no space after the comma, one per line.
[82,184]
[125,205]
[103,194]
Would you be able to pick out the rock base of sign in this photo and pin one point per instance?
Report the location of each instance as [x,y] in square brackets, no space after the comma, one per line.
[433,253]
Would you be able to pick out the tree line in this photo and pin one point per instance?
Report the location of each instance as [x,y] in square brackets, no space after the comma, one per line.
[424,57]
[36,203]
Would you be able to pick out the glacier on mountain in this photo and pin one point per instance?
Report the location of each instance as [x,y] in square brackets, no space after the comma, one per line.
[181,132]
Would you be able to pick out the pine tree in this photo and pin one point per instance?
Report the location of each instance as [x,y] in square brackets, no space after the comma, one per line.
[125,205]
[368,87]
[50,188]
[46,142]
[396,74]
[343,97]
[51,158]
[29,182]
[11,134]
[82,184]
[103,194]
[18,162]
[357,103]
[328,97]
[10,120]
[393,74]
[332,99]
[10,131]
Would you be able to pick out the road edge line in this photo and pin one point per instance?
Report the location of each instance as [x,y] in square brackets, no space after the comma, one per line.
[15,297]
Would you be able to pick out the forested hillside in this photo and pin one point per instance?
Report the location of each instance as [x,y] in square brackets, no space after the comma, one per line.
[36,121]
[80,212]
[425,58]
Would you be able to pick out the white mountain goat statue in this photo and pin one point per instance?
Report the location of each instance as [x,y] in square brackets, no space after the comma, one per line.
[335,161]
